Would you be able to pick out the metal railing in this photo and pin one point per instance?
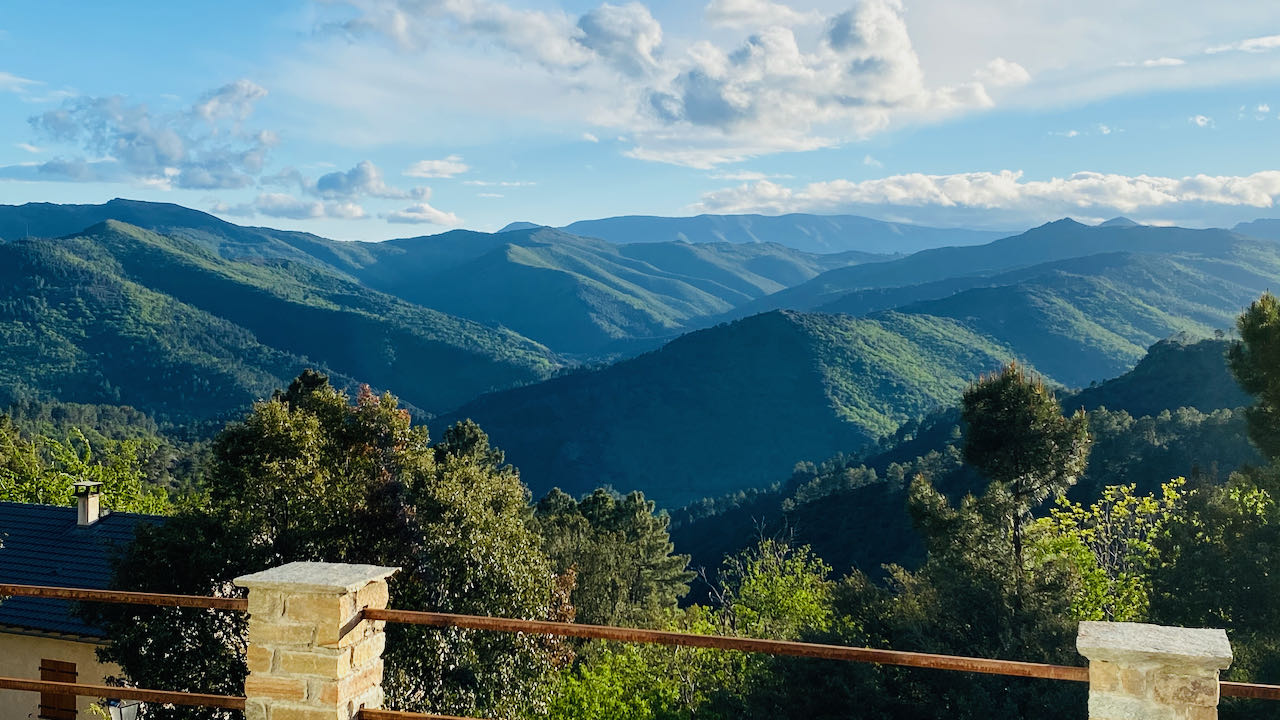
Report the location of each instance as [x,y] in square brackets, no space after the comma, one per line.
[1012,668]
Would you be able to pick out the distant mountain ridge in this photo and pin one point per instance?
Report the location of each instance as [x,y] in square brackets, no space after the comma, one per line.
[810,233]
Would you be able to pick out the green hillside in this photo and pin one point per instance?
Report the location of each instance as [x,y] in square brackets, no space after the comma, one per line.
[733,406]
[579,295]
[122,315]
[1176,412]
[1060,240]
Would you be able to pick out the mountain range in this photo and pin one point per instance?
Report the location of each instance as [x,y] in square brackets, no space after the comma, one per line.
[684,369]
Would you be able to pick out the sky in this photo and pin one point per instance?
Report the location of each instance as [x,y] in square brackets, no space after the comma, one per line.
[373,119]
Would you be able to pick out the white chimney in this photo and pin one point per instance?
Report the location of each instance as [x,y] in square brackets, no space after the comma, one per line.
[87,502]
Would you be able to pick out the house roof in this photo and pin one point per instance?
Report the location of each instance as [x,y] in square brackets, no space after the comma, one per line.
[42,545]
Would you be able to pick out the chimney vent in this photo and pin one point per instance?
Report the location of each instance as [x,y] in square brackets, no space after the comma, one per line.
[89,508]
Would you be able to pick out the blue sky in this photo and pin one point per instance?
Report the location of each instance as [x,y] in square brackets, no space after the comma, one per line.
[370,119]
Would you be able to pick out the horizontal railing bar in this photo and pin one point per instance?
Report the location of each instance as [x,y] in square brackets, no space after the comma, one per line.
[367,714]
[719,642]
[120,596]
[226,702]
[1256,691]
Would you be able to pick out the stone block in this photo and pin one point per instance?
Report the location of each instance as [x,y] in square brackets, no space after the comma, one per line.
[1186,690]
[319,662]
[258,658]
[259,686]
[281,634]
[1134,644]
[1103,676]
[374,595]
[368,650]
[266,604]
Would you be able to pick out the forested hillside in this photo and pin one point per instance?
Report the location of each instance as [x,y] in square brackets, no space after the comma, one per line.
[1178,412]
[122,315]
[734,406]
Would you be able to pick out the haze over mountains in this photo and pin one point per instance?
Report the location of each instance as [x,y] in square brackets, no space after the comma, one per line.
[735,349]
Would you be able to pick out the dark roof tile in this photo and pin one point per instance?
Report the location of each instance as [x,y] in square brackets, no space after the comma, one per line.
[42,545]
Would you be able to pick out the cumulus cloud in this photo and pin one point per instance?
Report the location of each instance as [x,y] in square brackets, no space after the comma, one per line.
[707,104]
[1203,121]
[625,36]
[1003,73]
[590,138]
[365,179]
[756,14]
[446,168]
[203,147]
[422,213]
[1002,196]
[872,162]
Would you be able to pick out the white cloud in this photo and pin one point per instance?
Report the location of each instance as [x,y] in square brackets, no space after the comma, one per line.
[1163,62]
[15,84]
[1264,108]
[1002,73]
[747,175]
[1252,45]
[626,37]
[446,168]
[283,205]
[756,14]
[872,162]
[699,104]
[28,147]
[202,147]
[590,138]
[499,183]
[1065,133]
[365,179]
[1105,129]
[1203,121]
[490,195]
[422,213]
[1003,197]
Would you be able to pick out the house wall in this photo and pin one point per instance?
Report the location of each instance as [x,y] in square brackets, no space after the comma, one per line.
[20,657]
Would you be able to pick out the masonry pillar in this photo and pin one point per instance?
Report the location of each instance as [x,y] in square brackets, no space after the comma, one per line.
[310,656]
[1150,672]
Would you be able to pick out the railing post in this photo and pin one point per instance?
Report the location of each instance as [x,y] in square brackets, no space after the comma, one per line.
[310,655]
[1152,672]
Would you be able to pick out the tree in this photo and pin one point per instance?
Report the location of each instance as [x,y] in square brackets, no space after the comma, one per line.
[621,552]
[1111,546]
[1016,435]
[308,475]
[1255,361]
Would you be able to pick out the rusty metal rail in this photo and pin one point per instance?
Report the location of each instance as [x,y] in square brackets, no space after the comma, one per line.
[754,645]
[226,702]
[1014,668]
[129,598]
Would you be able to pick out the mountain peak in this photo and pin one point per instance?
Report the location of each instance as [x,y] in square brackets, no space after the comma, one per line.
[520,225]
[1119,222]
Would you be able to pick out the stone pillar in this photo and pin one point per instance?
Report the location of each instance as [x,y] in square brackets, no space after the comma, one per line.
[1150,672]
[310,656]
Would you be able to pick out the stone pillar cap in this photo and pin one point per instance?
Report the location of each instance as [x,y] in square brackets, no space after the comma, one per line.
[316,577]
[1131,643]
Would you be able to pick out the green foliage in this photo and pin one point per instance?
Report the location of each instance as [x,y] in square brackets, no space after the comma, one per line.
[1253,361]
[1111,548]
[620,552]
[120,315]
[772,590]
[39,469]
[310,476]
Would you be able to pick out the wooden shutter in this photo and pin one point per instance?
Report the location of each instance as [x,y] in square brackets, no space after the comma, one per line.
[57,707]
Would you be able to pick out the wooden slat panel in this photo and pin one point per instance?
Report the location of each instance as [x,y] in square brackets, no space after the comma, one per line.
[57,706]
